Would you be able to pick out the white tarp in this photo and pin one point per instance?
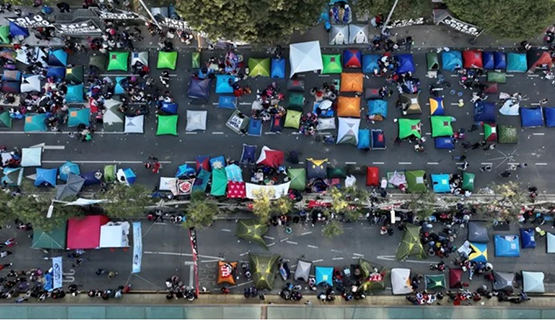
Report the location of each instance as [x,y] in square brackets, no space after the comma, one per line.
[112,115]
[350,181]
[31,157]
[510,108]
[550,243]
[114,235]
[347,131]
[533,281]
[303,270]
[400,281]
[134,124]
[196,120]
[305,56]
[141,57]
[31,83]
[275,191]
[84,202]
[166,183]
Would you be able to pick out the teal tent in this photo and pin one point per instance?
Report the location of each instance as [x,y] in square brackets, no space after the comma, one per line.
[78,117]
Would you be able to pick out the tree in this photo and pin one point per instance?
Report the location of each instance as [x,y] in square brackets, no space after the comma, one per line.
[406,9]
[6,214]
[338,202]
[200,213]
[125,202]
[282,206]
[262,205]
[422,204]
[332,229]
[253,21]
[34,208]
[507,205]
[511,19]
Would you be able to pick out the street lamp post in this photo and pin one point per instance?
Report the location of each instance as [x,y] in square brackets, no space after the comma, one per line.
[150,14]
[388,16]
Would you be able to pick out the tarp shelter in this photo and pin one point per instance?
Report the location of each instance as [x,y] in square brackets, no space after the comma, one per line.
[468,181]
[516,62]
[409,127]
[278,68]
[78,117]
[234,173]
[109,174]
[332,63]
[440,183]
[16,30]
[455,278]
[57,58]
[12,177]
[527,237]
[54,239]
[95,177]
[358,33]
[370,63]
[372,176]
[73,186]
[236,190]
[11,75]
[226,271]
[363,139]
[507,134]
[436,106]
[432,61]
[45,177]
[352,82]
[31,157]
[488,60]
[140,58]
[84,233]
[185,171]
[496,77]
[270,158]
[531,117]
[478,252]
[510,108]
[275,191]
[378,139]
[35,122]
[305,56]
[296,101]
[75,93]
[338,172]
[316,169]
[199,89]
[56,72]
[169,108]
[550,243]
[451,60]
[538,59]
[99,60]
[74,74]
[5,35]
[339,34]
[348,107]
[10,87]
[295,85]
[114,235]
[248,154]
[134,124]
[405,63]
[219,182]
[255,127]
[500,59]
[238,122]
[117,61]
[68,168]
[507,245]
[167,60]
[167,125]
[352,58]
[446,143]
[293,119]
[441,126]
[347,132]
[31,83]
[264,269]
[485,111]
[416,181]
[217,162]
[410,245]
[195,60]
[201,181]
[503,281]
[196,120]
[259,67]
[5,120]
[303,270]
[400,281]
[223,83]
[533,282]
[435,282]
[472,59]
[126,176]
[324,275]
[549,114]
[373,276]
[478,232]
[409,103]
[377,109]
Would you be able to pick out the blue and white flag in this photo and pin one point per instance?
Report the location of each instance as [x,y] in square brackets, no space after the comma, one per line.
[137,247]
[57,272]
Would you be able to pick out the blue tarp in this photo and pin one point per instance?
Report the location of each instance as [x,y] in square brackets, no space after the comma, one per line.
[479,256]
[484,111]
[370,63]
[78,117]
[67,168]
[57,58]
[444,143]
[528,239]
[516,62]
[500,60]
[46,177]
[130,176]
[248,155]
[451,60]
[255,127]
[16,30]
[12,177]
[56,72]
[531,117]
[377,107]
[506,246]
[227,102]
[488,59]
[201,181]
[169,107]
[217,162]
[406,63]
[363,139]
[234,173]
[120,82]
[35,123]
[185,171]
[352,58]
[324,275]
[440,183]
[75,93]
[549,117]
[278,68]
[224,83]
[92,177]
[438,105]
[199,89]
[378,139]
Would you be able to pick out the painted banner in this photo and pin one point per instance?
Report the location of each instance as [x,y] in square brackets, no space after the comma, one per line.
[406,23]
[137,247]
[79,28]
[443,16]
[119,15]
[35,21]
[57,272]
[178,25]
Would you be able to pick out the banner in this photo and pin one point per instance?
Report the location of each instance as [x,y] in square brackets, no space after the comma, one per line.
[194,249]
[36,21]
[79,28]
[137,247]
[57,272]
[179,25]
[442,16]
[119,15]
[405,23]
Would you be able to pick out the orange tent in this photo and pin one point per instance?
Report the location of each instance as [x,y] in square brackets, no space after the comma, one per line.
[348,107]
[226,271]
[351,82]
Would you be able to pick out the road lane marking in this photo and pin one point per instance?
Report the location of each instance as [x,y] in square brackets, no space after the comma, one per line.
[433,163]
[378,162]
[338,258]
[350,162]
[191,276]
[313,247]
[190,162]
[405,163]
[291,242]
[47,147]
[305,233]
[392,258]
[181,254]
[270,238]
[323,75]
[245,103]
[226,230]
[283,240]
[538,134]
[217,132]
[243,254]
[541,164]
[486,163]
[428,133]
[338,251]
[319,260]
[208,261]
[101,161]
[358,255]
[271,244]
[191,132]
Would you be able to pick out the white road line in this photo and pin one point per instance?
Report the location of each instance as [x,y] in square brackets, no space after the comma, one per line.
[535,103]
[301,162]
[486,163]
[405,163]
[54,147]
[226,230]
[338,258]
[245,103]
[215,103]
[180,254]
[270,132]
[190,162]
[433,163]
[305,233]
[454,104]
[267,237]
[358,255]
[319,260]
[323,75]
[538,134]
[283,240]
[101,161]
[509,75]
[313,247]
[207,261]
[217,132]
[533,75]
[428,133]
[301,75]
[191,276]
[332,250]
[378,162]
[350,162]
[117,75]
[541,164]
[243,254]
[270,244]
[292,242]
[191,132]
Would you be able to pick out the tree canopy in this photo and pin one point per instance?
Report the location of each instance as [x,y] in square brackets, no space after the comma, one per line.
[511,19]
[200,213]
[252,21]
[333,229]
[126,201]
[406,9]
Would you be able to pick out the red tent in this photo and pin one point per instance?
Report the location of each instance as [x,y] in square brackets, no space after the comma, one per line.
[472,59]
[538,58]
[236,190]
[84,233]
[372,176]
[270,158]
[203,162]
[455,278]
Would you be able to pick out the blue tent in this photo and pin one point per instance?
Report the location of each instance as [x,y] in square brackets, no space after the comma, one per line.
[378,139]
[363,139]
[484,111]
[201,181]
[10,87]
[234,173]
[12,177]
[440,183]
[531,117]
[370,63]
[444,143]
[120,82]
[217,162]
[224,83]
[549,117]
[377,107]
[67,168]
[324,275]
[199,89]
[248,154]
[130,176]
[479,252]
[516,62]
[278,68]
[56,72]
[506,246]
[79,116]
[11,75]
[57,58]
[437,107]
[488,59]
[46,177]
[406,63]
[528,239]
[185,171]
[16,30]
[451,60]
[500,60]
[255,127]
[227,102]
[75,93]
[92,177]
[169,107]
[35,123]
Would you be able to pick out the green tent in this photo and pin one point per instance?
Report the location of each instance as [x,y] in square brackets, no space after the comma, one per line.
[507,134]
[298,178]
[167,60]
[409,127]
[373,276]
[415,181]
[5,120]
[497,77]
[117,61]
[264,269]
[293,119]
[79,116]
[441,126]
[338,172]
[55,239]
[468,181]
[332,63]
[432,61]
[167,125]
[259,67]
[252,230]
[490,132]
[74,74]
[98,60]
[296,101]
[5,35]
[219,182]
[436,282]
[110,173]
[410,245]
[195,60]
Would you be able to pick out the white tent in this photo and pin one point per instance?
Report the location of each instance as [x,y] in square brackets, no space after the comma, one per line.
[31,157]
[134,124]
[358,34]
[347,132]
[510,109]
[303,270]
[112,116]
[196,120]
[166,183]
[400,281]
[533,281]
[141,57]
[550,243]
[114,235]
[31,83]
[305,56]
[339,34]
